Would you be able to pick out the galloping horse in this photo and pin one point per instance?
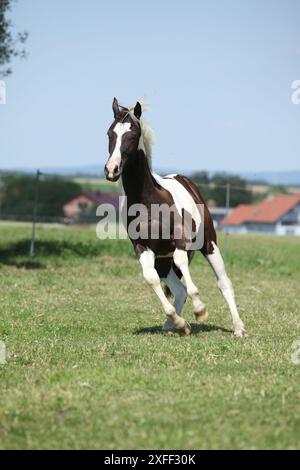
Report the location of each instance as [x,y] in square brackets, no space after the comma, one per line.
[166,260]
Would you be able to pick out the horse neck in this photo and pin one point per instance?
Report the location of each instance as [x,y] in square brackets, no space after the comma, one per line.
[137,178]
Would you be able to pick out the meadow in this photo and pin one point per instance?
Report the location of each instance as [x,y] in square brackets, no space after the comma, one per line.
[97,184]
[87,366]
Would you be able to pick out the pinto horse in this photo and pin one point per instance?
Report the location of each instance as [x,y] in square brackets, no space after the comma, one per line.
[164,259]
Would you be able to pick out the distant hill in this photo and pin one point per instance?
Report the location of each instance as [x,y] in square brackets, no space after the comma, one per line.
[285,178]
[92,171]
[87,170]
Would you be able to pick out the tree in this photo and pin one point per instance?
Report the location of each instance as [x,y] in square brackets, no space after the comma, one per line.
[214,188]
[19,190]
[10,46]
[239,193]
[201,179]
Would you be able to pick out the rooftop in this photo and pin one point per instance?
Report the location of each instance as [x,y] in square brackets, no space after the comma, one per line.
[269,210]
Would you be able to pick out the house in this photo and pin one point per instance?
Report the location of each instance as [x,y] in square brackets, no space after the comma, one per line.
[85,203]
[276,214]
[218,214]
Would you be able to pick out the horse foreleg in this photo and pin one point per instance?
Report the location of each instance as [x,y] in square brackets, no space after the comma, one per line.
[147,261]
[225,286]
[179,293]
[181,260]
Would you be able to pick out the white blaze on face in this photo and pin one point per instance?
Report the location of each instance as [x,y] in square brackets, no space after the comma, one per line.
[120,129]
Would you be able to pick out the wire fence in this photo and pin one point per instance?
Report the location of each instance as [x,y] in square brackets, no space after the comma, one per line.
[34,212]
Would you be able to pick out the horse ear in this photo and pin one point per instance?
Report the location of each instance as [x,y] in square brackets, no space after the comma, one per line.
[115,107]
[137,110]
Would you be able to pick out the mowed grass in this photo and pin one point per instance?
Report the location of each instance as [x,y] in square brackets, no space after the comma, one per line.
[87,365]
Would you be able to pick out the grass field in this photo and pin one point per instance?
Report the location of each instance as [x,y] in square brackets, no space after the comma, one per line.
[97,184]
[87,365]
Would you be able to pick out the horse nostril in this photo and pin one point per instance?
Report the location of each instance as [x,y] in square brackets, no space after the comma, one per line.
[116,169]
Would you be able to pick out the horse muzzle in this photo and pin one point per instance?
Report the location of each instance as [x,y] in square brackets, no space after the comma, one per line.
[112,172]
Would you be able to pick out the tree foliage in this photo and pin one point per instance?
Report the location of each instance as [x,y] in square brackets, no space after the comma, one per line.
[214,188]
[10,45]
[19,191]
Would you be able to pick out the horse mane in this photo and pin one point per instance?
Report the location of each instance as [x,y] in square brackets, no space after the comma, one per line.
[147,134]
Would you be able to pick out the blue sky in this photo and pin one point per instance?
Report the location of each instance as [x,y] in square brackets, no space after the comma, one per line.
[217,74]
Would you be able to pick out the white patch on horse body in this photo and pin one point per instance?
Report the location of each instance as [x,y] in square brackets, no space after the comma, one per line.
[182,262]
[218,266]
[177,289]
[225,286]
[181,197]
[120,129]
[147,260]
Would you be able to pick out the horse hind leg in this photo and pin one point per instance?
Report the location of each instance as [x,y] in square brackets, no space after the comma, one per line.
[182,262]
[216,261]
[179,292]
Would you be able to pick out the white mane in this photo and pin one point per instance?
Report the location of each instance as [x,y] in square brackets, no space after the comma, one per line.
[147,135]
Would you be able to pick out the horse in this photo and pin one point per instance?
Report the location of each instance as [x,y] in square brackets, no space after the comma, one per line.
[164,261]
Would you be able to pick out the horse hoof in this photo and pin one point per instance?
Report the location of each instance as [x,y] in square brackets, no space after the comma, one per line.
[202,315]
[168,327]
[240,332]
[185,330]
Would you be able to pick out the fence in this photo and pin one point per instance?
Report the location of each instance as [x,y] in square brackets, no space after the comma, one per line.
[35,216]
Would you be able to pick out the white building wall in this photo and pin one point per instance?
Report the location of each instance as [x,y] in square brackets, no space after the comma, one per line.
[233,228]
[287,229]
[277,229]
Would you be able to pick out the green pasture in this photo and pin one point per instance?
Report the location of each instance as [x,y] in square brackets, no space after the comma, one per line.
[97,184]
[88,367]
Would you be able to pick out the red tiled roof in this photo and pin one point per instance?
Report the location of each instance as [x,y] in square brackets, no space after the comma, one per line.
[269,210]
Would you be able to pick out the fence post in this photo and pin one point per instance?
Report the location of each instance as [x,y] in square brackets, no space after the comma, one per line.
[227,212]
[36,200]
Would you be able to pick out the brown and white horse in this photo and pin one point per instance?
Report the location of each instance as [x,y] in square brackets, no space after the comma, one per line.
[162,259]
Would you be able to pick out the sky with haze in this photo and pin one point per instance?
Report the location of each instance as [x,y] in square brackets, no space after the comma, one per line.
[216,73]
